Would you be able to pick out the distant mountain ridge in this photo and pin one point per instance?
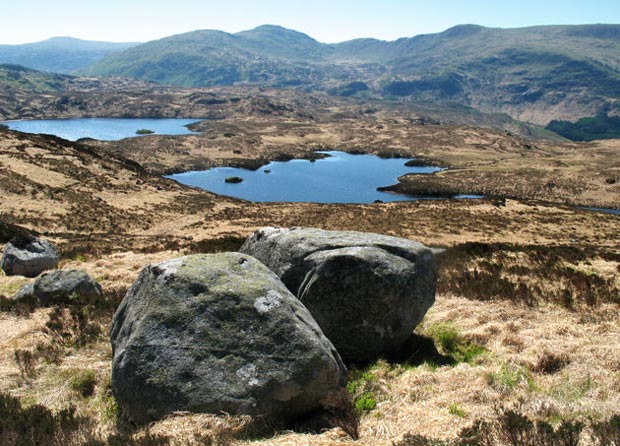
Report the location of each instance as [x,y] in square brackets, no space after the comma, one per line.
[535,74]
[59,54]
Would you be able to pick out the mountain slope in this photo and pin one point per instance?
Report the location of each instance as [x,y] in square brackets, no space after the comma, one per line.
[21,79]
[536,74]
[16,80]
[268,55]
[59,54]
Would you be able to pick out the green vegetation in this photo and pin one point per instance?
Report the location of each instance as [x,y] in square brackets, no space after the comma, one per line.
[462,64]
[453,344]
[509,377]
[82,381]
[23,79]
[366,402]
[233,180]
[600,126]
[455,410]
[144,132]
[110,408]
[363,388]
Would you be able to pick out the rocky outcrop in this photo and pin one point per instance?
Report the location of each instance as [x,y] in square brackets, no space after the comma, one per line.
[218,333]
[366,291]
[28,256]
[74,287]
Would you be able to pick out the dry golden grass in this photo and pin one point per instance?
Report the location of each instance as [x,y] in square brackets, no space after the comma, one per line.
[551,361]
[410,398]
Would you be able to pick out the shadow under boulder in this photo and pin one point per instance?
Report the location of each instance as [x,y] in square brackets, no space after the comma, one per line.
[418,350]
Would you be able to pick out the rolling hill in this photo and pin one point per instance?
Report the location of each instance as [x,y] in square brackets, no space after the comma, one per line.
[534,74]
[21,79]
[59,54]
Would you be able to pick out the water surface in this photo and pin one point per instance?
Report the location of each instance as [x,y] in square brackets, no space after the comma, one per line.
[103,129]
[603,210]
[339,178]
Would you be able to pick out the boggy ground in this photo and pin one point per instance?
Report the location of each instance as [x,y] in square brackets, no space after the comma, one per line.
[478,161]
[526,313]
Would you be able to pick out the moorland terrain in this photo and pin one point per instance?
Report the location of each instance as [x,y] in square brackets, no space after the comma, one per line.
[526,317]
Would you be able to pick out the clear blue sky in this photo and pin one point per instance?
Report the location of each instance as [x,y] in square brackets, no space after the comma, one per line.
[24,21]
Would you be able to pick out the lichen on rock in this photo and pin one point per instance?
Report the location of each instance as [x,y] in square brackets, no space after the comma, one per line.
[218,333]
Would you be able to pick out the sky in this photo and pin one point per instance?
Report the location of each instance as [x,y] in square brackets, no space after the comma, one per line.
[329,21]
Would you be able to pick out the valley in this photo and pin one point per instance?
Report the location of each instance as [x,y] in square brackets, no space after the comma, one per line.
[111,217]
[525,322]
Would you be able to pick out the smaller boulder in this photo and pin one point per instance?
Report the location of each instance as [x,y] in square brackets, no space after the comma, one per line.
[366,291]
[28,256]
[61,287]
[26,294]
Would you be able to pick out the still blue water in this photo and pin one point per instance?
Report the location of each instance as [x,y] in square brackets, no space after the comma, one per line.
[605,211]
[339,178]
[104,129]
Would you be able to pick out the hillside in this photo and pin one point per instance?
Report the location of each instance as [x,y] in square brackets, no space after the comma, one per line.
[18,80]
[267,55]
[26,80]
[534,74]
[29,94]
[26,94]
[526,315]
[59,54]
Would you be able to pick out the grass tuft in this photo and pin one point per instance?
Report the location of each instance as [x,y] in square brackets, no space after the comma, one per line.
[509,377]
[454,344]
[83,382]
[364,388]
[366,402]
[454,409]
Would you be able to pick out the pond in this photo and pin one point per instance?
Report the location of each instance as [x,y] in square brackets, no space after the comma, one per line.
[603,210]
[338,178]
[104,129]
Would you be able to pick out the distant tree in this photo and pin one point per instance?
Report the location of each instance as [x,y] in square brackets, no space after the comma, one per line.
[600,126]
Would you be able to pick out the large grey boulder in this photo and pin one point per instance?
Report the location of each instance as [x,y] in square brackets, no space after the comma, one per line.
[61,287]
[218,333]
[366,291]
[28,256]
